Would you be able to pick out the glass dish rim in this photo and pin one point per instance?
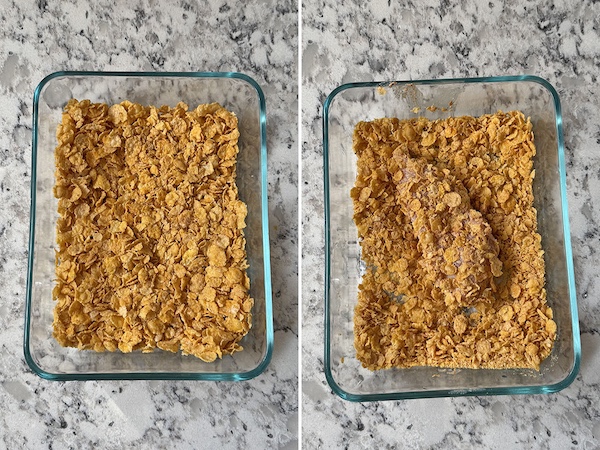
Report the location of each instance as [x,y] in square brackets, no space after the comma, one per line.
[269,332]
[536,389]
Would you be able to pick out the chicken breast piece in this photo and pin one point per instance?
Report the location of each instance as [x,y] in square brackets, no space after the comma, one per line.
[459,253]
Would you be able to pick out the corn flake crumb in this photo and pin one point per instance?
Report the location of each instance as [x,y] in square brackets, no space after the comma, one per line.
[151,250]
[454,265]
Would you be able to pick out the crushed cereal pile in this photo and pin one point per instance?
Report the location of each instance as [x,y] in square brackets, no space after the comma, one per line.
[151,249]
[455,270]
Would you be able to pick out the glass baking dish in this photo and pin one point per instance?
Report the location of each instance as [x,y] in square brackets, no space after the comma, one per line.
[435,99]
[236,92]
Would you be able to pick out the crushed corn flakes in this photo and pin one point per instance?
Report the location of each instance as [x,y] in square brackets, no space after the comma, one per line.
[455,270]
[151,249]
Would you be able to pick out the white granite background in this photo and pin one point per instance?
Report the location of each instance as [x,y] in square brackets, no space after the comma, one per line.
[37,38]
[383,40]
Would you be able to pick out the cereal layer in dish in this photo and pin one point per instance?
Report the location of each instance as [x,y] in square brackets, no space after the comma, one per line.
[151,250]
[454,264]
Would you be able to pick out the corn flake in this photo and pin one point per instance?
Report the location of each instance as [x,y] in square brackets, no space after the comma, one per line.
[454,265]
[151,249]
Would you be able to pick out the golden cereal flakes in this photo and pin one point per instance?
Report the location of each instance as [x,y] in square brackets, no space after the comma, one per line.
[448,232]
[151,249]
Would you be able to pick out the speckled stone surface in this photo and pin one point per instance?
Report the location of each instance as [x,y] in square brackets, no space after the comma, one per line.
[37,38]
[365,41]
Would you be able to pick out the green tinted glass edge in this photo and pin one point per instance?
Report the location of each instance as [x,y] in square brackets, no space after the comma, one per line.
[241,376]
[540,389]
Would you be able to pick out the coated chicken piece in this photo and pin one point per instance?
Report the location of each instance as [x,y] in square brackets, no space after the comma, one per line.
[459,253]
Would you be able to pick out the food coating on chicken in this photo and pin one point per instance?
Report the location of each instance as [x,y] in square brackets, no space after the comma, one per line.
[459,253]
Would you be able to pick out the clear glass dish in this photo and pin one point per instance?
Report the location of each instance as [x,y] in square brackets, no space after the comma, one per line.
[351,103]
[236,92]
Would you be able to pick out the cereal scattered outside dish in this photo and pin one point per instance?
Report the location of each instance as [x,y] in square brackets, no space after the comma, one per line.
[445,216]
[151,250]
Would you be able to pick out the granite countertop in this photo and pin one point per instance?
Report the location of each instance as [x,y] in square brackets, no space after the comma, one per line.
[559,41]
[145,35]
